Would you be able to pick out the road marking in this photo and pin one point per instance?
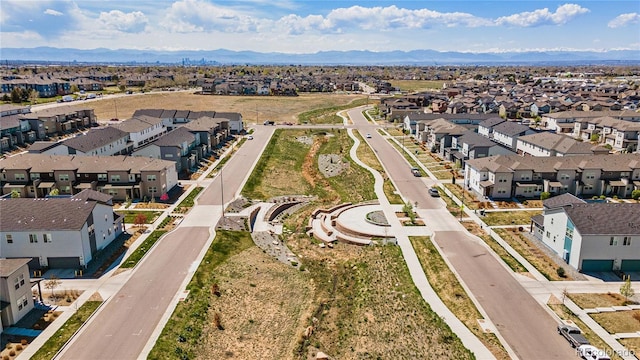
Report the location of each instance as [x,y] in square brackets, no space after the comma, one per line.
[138,333]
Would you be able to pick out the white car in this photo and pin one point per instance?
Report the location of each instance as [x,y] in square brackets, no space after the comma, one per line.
[250,137]
[368,136]
[591,352]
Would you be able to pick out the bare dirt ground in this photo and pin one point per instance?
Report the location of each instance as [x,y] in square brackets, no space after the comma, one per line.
[254,109]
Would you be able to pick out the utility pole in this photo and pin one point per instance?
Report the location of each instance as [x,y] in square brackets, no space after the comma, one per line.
[222,193]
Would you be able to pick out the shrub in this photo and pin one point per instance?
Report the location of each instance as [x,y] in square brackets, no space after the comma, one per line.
[6,357]
[24,342]
[9,346]
[560,271]
[635,194]
[12,353]
[545,195]
[602,197]
[19,347]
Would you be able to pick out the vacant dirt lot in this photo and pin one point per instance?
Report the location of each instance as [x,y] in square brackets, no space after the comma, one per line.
[252,108]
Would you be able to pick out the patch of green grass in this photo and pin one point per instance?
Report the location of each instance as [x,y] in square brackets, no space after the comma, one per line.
[189,200]
[496,218]
[181,336]
[328,115]
[131,215]
[60,337]
[449,290]
[417,85]
[142,250]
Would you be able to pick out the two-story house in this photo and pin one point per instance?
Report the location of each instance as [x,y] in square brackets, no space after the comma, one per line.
[508,132]
[58,232]
[551,144]
[142,129]
[15,291]
[179,145]
[103,141]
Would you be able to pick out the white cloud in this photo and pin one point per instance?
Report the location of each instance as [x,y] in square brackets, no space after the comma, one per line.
[127,22]
[562,15]
[53,12]
[201,16]
[624,20]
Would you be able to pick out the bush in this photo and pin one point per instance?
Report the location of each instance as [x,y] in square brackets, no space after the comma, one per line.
[24,342]
[560,271]
[635,194]
[545,195]
[19,347]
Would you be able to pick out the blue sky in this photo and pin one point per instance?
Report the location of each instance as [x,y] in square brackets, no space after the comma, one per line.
[316,25]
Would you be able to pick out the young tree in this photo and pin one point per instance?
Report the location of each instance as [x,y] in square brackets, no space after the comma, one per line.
[54,192]
[140,220]
[15,194]
[626,290]
[545,195]
[51,284]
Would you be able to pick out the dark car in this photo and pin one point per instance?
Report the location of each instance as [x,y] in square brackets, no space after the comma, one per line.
[416,172]
[573,335]
[434,192]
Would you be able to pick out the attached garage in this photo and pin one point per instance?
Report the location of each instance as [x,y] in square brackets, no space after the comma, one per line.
[630,265]
[64,262]
[596,265]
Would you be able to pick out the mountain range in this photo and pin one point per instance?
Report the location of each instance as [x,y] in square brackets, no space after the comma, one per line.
[222,56]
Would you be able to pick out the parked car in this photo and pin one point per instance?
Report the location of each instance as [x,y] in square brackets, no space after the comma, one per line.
[269,122]
[250,137]
[416,172]
[573,335]
[585,351]
[368,136]
[434,192]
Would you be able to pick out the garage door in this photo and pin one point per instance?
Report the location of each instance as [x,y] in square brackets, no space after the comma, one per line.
[630,265]
[64,262]
[597,265]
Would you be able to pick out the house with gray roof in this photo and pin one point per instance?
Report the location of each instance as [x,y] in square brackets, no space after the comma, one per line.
[485,128]
[142,129]
[508,132]
[181,146]
[472,145]
[551,144]
[507,176]
[104,141]
[593,237]
[57,232]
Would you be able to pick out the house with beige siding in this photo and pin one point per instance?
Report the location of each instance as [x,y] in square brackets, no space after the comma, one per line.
[15,291]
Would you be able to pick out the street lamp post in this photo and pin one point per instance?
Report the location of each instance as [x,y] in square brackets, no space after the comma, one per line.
[221,193]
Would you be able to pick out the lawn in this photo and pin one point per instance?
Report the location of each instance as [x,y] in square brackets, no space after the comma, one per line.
[520,217]
[188,202]
[468,199]
[328,114]
[182,336]
[619,321]
[530,251]
[632,344]
[412,86]
[60,337]
[131,215]
[254,109]
[290,166]
[590,301]
[449,290]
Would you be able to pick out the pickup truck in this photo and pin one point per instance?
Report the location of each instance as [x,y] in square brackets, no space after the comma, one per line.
[573,335]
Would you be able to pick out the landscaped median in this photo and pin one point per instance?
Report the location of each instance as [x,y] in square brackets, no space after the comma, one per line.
[142,250]
[446,285]
[187,203]
[70,327]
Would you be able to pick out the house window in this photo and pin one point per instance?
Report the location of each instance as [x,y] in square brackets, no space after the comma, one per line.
[151,178]
[115,178]
[33,238]
[569,233]
[21,279]
[91,229]
[22,302]
[34,176]
[19,177]
[102,177]
[613,241]
[626,241]
[551,221]
[548,234]
[63,177]
[46,238]
[9,238]
[16,283]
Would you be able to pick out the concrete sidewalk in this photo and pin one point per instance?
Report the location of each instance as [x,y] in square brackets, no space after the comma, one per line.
[469,340]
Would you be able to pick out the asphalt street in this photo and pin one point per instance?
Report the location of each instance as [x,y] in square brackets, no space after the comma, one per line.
[528,329]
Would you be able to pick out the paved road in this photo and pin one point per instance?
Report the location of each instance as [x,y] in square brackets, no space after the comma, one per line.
[527,328]
[122,328]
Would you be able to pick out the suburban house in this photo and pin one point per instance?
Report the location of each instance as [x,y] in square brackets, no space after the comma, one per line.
[472,145]
[212,132]
[58,232]
[174,118]
[551,144]
[15,291]
[122,177]
[485,128]
[591,237]
[142,129]
[507,176]
[508,132]
[180,146]
[620,135]
[102,141]
[14,129]
[61,120]
[236,125]
[552,120]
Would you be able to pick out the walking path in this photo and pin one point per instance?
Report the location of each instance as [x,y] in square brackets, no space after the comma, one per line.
[469,340]
[539,287]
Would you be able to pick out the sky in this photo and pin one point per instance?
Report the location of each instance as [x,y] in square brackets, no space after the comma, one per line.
[310,26]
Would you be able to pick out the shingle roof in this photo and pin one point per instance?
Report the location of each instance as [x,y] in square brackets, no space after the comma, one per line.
[96,138]
[560,143]
[175,137]
[510,128]
[491,122]
[44,214]
[605,218]
[10,266]
[561,200]
[474,140]
[41,163]
[618,162]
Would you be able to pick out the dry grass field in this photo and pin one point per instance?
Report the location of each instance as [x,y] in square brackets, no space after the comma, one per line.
[253,108]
